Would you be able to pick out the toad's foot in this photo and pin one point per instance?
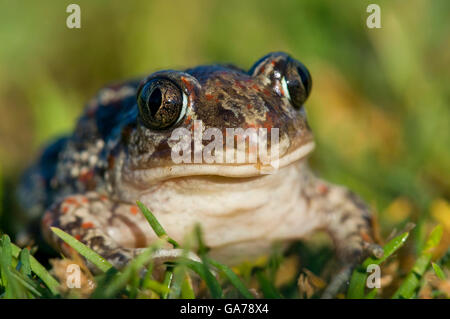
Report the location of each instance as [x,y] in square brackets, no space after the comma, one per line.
[345,273]
[348,221]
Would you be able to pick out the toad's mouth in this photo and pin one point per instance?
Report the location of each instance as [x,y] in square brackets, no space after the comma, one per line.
[143,178]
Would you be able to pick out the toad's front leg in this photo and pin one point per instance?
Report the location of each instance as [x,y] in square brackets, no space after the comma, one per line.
[348,221]
[116,231]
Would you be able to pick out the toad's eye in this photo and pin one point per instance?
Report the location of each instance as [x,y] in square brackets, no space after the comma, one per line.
[298,82]
[162,104]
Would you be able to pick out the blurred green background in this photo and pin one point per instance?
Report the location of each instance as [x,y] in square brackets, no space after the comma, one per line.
[379,106]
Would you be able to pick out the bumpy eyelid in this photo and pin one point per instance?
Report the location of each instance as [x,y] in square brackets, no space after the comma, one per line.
[271,65]
[186,82]
[263,69]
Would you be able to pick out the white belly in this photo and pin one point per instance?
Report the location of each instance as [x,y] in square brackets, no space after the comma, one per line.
[240,218]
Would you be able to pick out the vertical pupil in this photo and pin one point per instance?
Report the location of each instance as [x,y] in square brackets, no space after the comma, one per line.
[154,102]
[306,79]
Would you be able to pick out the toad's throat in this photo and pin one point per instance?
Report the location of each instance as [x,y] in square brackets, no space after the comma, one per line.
[143,178]
[233,210]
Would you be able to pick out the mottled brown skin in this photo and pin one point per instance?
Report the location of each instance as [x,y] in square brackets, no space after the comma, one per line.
[87,183]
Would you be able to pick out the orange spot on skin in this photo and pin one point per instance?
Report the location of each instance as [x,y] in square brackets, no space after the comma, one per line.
[84,200]
[64,209]
[366,237]
[187,120]
[268,127]
[188,84]
[209,97]
[71,201]
[273,63]
[67,250]
[322,189]
[268,124]
[103,197]
[134,210]
[238,84]
[249,106]
[87,225]
[266,92]
[254,86]
[77,237]
[85,177]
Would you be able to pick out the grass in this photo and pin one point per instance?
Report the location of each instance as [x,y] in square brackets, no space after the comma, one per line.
[20,279]
[358,280]
[21,276]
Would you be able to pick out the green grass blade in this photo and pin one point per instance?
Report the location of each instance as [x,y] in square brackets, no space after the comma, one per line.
[6,255]
[412,281]
[211,282]
[28,284]
[161,233]
[83,250]
[40,271]
[103,281]
[117,281]
[439,272]
[187,291]
[267,288]
[5,264]
[371,294]
[167,282]
[156,286]
[359,276]
[179,275]
[390,248]
[434,238]
[357,284]
[156,226]
[24,258]
[13,288]
[201,268]
[233,278]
